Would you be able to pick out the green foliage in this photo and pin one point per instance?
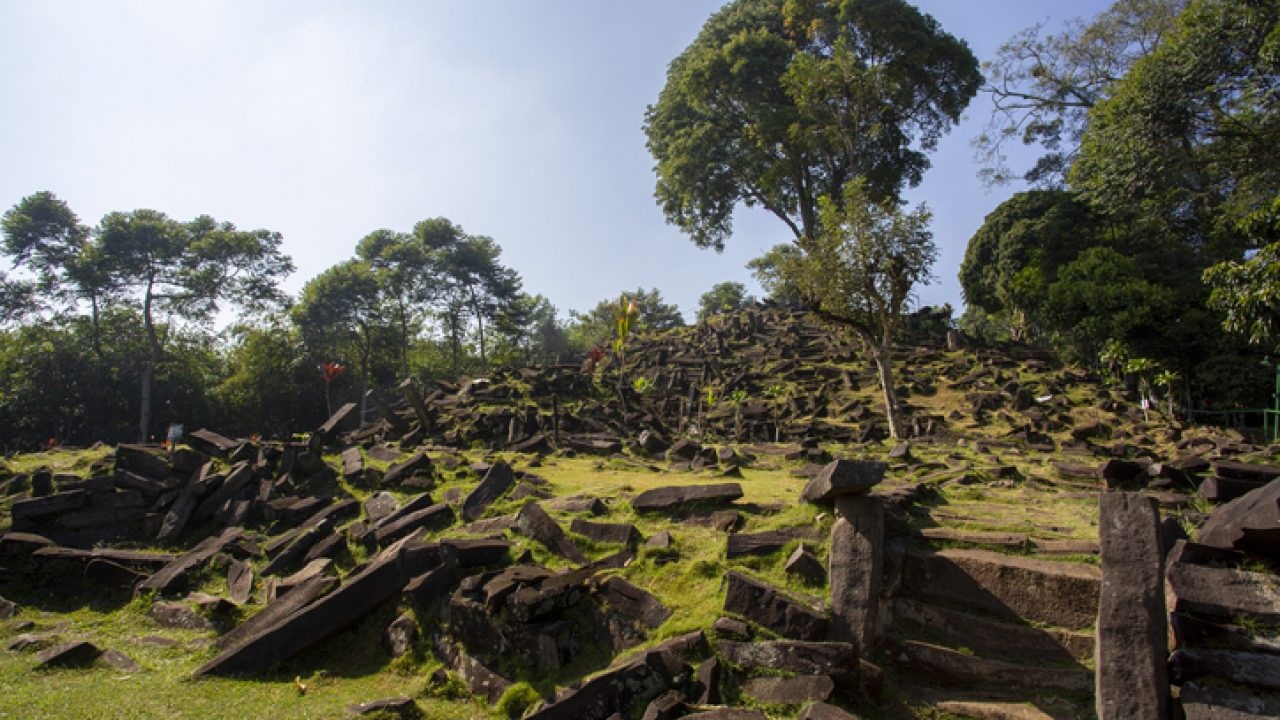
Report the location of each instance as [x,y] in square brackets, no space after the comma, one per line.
[1247,292]
[1189,137]
[623,315]
[767,270]
[723,297]
[597,326]
[1042,84]
[777,103]
[1013,258]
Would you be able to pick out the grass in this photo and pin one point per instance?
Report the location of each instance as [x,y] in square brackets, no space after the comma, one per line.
[688,578]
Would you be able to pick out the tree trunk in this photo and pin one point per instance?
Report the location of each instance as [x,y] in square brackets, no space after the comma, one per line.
[144,422]
[148,368]
[883,355]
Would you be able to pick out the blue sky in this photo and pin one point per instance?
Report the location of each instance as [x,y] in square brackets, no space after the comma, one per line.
[517,119]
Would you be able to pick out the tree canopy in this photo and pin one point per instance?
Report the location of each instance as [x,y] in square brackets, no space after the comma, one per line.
[778,103]
[722,298]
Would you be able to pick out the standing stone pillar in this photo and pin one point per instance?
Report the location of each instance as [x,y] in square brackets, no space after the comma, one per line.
[856,563]
[1131,635]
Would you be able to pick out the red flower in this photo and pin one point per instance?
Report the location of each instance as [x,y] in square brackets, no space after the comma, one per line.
[330,371]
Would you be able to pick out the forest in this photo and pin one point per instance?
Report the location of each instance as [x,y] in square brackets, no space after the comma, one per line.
[1145,244]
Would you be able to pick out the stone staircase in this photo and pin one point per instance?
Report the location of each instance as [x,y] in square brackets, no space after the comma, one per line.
[984,634]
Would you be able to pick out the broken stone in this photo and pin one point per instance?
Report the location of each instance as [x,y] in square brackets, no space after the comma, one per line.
[1220,592]
[239,581]
[1131,630]
[496,481]
[401,471]
[1246,668]
[7,609]
[856,567]
[624,533]
[803,658]
[399,707]
[398,636]
[1007,586]
[667,706]
[120,661]
[617,689]
[768,607]
[435,517]
[761,543]
[535,523]
[844,477]
[177,615]
[1250,522]
[174,576]
[804,564]
[823,711]
[634,602]
[380,505]
[789,690]
[956,667]
[733,628]
[682,496]
[278,608]
[73,654]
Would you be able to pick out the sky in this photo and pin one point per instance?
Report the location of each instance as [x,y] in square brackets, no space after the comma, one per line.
[516,119]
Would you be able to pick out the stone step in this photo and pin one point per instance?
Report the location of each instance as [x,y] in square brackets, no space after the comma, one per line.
[995,705]
[1063,594]
[953,666]
[993,638]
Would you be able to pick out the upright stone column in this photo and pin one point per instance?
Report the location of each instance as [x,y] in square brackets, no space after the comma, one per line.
[856,563]
[1131,635]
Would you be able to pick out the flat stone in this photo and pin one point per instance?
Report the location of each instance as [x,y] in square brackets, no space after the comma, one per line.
[844,477]
[804,658]
[1132,651]
[770,608]
[761,543]
[624,533]
[403,470]
[496,481]
[823,711]
[535,523]
[120,661]
[789,690]
[174,575]
[1220,592]
[677,497]
[435,517]
[994,638]
[1245,668]
[1250,522]
[974,537]
[950,665]
[178,615]
[634,602]
[1217,702]
[72,654]
[362,593]
[1006,586]
[400,707]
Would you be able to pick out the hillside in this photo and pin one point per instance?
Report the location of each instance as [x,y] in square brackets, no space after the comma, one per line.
[712,525]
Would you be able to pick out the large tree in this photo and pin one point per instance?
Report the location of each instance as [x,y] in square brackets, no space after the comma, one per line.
[1189,141]
[1014,257]
[1042,85]
[861,270]
[722,298]
[187,269]
[778,103]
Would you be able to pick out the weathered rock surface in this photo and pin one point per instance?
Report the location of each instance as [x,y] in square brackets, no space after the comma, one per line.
[534,522]
[770,608]
[1132,649]
[844,477]
[497,481]
[856,562]
[678,497]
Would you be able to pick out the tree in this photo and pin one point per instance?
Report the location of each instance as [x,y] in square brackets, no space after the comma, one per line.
[778,103]
[530,331]
[1102,295]
[1247,292]
[43,235]
[596,327]
[723,298]
[766,269]
[271,380]
[408,277]
[1189,140]
[474,285]
[1042,85]
[860,273]
[1013,258]
[340,314]
[187,269]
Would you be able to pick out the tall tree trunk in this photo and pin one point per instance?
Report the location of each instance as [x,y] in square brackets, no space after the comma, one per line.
[148,368]
[882,352]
